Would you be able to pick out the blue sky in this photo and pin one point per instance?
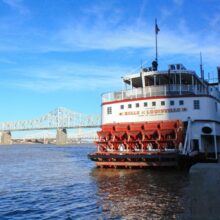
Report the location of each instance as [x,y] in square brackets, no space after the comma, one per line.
[67,52]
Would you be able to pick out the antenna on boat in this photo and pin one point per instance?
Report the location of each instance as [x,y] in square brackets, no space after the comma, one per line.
[218,70]
[201,67]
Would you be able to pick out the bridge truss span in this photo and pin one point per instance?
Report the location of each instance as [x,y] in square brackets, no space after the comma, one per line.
[59,118]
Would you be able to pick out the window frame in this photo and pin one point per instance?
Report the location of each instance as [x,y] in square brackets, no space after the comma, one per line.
[109,110]
[172,102]
[181,102]
[196,104]
[145,104]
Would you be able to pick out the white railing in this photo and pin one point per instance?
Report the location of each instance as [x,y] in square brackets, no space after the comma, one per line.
[152,91]
[215,93]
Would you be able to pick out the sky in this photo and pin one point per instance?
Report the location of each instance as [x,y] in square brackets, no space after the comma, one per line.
[66,53]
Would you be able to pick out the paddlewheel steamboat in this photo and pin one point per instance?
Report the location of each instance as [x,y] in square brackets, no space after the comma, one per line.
[162,118]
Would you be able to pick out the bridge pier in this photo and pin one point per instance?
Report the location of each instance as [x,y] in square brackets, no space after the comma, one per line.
[6,138]
[45,141]
[61,137]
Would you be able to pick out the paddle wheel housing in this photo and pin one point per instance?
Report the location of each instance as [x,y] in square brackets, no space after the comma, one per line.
[128,144]
[144,137]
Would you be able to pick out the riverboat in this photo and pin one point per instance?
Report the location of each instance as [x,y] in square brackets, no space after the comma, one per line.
[162,118]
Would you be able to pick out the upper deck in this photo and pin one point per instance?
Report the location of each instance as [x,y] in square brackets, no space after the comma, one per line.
[176,81]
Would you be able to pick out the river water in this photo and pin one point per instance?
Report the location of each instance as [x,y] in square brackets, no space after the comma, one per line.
[52,182]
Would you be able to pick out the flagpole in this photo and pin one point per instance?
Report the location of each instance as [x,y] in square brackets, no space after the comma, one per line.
[156,39]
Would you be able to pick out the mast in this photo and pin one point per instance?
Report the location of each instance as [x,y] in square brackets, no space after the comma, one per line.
[156,33]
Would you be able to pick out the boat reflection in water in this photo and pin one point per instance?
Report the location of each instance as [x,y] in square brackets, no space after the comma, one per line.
[141,194]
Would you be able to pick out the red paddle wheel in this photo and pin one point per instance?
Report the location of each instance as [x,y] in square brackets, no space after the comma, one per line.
[170,134]
[138,144]
[119,137]
[135,137]
[150,135]
[104,136]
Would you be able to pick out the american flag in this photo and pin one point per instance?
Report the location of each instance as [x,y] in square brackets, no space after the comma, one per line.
[156,28]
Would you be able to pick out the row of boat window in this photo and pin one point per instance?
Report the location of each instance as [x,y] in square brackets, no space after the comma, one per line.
[146,104]
[196,105]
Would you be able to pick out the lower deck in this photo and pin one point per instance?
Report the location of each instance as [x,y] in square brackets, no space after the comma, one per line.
[158,143]
[146,160]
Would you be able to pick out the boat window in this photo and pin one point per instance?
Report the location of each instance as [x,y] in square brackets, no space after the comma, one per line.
[129,105]
[172,102]
[109,110]
[181,102]
[153,103]
[196,104]
[137,105]
[162,102]
[145,104]
[122,106]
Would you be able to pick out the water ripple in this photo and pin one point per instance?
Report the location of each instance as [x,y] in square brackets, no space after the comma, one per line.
[51,182]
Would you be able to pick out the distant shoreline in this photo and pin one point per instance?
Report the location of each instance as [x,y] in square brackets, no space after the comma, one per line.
[66,145]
